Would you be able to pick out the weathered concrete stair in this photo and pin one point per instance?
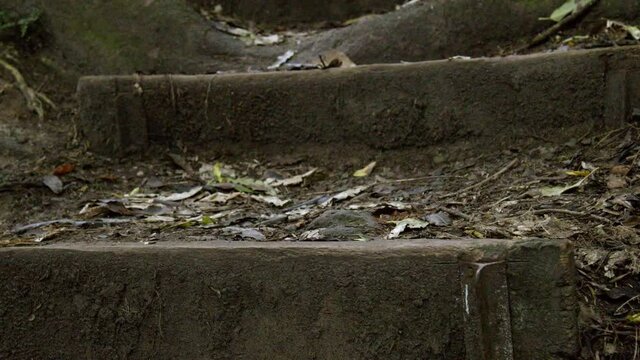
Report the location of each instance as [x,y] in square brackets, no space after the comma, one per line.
[423,299]
[420,299]
[486,103]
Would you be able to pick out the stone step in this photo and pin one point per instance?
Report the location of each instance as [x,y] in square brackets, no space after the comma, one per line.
[483,103]
[417,299]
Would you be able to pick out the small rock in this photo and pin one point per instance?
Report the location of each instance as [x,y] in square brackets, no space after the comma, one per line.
[53,183]
[342,225]
[348,218]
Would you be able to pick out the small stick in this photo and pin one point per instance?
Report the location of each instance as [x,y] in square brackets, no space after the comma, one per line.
[324,66]
[420,178]
[455,212]
[543,36]
[483,182]
[559,211]
[635,348]
[570,212]
[600,218]
[610,133]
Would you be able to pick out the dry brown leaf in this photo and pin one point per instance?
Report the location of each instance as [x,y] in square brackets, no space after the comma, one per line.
[621,170]
[616,182]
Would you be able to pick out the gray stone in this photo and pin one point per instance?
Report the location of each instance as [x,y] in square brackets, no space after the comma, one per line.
[480,104]
[419,299]
[344,225]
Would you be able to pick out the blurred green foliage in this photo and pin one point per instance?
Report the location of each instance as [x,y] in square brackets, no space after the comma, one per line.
[20,23]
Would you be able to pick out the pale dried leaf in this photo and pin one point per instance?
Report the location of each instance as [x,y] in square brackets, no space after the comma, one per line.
[366,171]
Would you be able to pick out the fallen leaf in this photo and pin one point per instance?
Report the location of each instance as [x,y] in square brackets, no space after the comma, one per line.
[271,200]
[53,183]
[616,261]
[559,190]
[474,233]
[91,210]
[217,173]
[563,10]
[366,171]
[347,194]
[51,235]
[63,169]
[629,201]
[311,235]
[117,207]
[298,213]
[231,30]
[402,225]
[334,59]
[566,9]
[633,31]
[282,59]
[244,233]
[249,185]
[391,205]
[588,166]
[133,192]
[220,198]
[634,318]
[262,40]
[295,180]
[181,196]
[579,173]
[207,220]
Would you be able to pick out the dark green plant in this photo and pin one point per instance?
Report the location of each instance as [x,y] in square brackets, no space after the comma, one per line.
[22,23]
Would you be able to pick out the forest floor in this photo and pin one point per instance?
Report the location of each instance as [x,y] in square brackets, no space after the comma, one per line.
[586,190]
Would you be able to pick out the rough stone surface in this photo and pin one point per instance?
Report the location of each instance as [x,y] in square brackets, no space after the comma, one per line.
[382,299]
[129,36]
[298,12]
[169,36]
[436,29]
[483,104]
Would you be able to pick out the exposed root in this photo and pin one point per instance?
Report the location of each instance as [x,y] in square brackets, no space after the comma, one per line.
[35,100]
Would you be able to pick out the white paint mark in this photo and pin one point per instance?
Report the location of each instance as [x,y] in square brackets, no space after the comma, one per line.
[466,298]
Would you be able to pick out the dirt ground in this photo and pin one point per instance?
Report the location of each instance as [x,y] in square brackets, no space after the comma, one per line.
[585,190]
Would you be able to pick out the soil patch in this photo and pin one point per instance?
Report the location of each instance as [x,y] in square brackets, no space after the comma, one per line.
[582,190]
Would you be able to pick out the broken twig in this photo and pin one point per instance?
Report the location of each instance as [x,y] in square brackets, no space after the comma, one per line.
[545,35]
[483,182]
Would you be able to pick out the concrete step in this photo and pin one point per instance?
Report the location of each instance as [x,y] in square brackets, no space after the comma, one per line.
[418,299]
[486,103]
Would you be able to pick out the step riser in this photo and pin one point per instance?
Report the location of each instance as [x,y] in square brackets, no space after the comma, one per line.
[401,300]
[491,102]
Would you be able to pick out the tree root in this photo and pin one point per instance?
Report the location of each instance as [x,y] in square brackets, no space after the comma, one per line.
[35,100]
